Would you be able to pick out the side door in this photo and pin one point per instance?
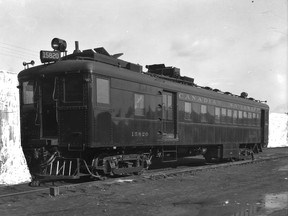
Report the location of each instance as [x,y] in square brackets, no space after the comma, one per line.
[102,122]
[73,111]
[169,116]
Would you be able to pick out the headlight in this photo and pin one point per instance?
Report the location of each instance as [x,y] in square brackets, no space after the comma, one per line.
[59,44]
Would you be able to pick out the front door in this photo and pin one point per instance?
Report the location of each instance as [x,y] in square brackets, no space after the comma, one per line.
[73,111]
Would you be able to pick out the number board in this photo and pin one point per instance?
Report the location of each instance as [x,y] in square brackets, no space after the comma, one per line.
[49,56]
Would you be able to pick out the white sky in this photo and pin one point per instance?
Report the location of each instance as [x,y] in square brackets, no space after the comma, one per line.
[232,45]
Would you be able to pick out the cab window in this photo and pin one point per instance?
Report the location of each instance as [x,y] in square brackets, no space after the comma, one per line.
[28,92]
[103,91]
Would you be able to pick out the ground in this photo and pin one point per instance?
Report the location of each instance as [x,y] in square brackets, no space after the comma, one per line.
[251,189]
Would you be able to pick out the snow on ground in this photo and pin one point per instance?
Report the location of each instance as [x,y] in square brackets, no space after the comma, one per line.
[13,167]
[278,130]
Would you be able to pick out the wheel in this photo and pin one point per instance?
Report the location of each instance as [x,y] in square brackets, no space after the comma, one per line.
[100,158]
[107,168]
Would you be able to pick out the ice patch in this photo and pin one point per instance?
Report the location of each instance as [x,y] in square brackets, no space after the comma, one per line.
[275,202]
[13,167]
[278,130]
[123,180]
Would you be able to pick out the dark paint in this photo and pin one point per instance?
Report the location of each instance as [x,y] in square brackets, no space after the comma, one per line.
[86,124]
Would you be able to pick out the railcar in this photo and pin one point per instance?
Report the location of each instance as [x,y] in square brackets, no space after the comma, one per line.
[91,113]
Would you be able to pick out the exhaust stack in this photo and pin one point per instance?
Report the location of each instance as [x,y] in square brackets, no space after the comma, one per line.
[77,47]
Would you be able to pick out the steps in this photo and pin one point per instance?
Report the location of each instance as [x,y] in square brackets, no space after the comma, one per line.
[61,168]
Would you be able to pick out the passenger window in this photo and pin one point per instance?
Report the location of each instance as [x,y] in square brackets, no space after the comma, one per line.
[229,116]
[254,118]
[103,91]
[250,118]
[217,115]
[258,118]
[210,114]
[203,113]
[223,115]
[240,117]
[139,104]
[169,107]
[196,112]
[245,119]
[235,116]
[187,110]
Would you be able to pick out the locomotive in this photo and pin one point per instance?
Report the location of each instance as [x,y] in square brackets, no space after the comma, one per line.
[91,113]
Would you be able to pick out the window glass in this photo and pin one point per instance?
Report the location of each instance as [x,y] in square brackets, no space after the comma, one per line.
[240,116]
[103,91]
[249,118]
[164,100]
[258,118]
[196,112]
[167,106]
[170,108]
[73,88]
[235,116]
[245,119]
[217,115]
[223,115]
[203,113]
[229,116]
[187,110]
[244,114]
[254,118]
[139,104]
[210,114]
[28,92]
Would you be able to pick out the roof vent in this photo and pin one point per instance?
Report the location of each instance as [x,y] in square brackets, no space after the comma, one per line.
[161,69]
[244,95]
[101,50]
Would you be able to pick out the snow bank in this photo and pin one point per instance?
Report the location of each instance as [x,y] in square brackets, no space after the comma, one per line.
[278,130]
[13,167]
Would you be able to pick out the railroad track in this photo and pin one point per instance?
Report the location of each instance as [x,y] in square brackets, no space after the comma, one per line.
[154,174]
[192,170]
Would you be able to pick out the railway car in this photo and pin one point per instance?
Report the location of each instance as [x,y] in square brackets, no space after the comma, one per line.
[91,113]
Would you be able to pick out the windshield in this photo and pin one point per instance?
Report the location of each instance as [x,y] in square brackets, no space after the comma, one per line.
[73,88]
[28,92]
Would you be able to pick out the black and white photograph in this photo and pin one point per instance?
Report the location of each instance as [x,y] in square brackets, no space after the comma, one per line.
[147,108]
